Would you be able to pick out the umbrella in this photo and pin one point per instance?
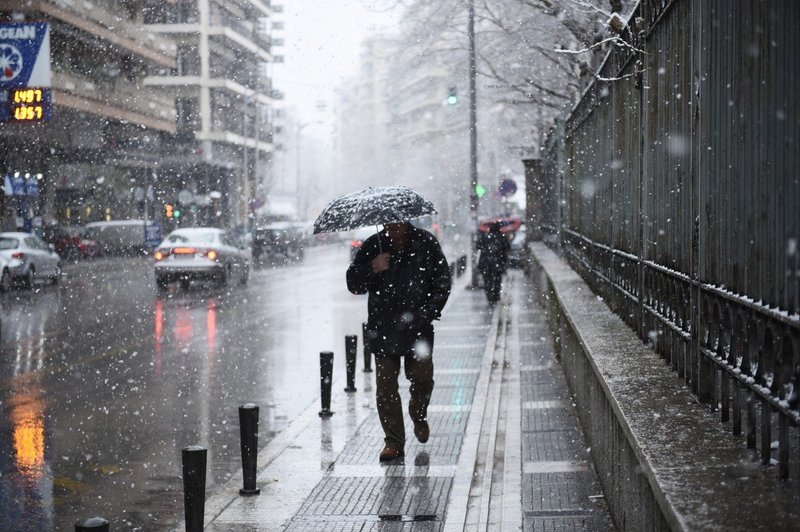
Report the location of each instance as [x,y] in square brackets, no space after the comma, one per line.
[372,206]
[507,224]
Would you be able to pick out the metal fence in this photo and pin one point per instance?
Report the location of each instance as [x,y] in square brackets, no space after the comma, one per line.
[673,187]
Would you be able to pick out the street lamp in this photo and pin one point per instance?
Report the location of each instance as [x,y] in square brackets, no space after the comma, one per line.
[473,148]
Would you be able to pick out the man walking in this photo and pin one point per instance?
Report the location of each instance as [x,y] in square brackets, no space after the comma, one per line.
[408,280]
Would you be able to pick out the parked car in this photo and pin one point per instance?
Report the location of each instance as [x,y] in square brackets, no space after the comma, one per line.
[279,240]
[517,256]
[358,237]
[69,242]
[117,237]
[200,253]
[29,258]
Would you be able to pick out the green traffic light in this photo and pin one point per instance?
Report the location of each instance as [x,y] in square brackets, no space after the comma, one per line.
[480,190]
[452,96]
[176,213]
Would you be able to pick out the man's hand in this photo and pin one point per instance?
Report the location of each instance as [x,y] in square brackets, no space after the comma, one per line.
[380,263]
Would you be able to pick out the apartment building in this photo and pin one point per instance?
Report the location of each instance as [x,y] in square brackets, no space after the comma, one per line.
[222,148]
[99,152]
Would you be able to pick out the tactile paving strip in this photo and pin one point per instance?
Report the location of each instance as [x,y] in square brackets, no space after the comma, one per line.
[441,449]
[439,422]
[370,499]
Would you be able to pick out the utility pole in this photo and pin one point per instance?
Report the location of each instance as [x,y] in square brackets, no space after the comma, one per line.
[473,149]
[241,211]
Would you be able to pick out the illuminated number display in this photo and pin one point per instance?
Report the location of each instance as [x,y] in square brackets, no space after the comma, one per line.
[29,104]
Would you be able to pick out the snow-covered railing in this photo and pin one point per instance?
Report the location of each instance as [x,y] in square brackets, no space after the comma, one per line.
[672,188]
[737,355]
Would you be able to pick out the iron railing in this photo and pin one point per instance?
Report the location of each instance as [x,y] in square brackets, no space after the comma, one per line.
[673,188]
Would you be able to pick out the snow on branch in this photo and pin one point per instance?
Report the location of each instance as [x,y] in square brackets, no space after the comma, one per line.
[601,78]
[616,40]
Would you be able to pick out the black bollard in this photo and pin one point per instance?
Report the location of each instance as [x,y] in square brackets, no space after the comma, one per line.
[93,524]
[350,350]
[248,431]
[194,486]
[325,378]
[367,354]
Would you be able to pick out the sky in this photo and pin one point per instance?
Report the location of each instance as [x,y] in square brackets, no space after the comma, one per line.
[321,48]
[322,45]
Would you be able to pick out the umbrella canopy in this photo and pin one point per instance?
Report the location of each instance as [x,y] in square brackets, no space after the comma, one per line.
[507,224]
[372,206]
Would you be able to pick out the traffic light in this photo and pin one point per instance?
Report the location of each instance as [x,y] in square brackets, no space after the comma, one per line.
[176,212]
[480,190]
[169,210]
[452,96]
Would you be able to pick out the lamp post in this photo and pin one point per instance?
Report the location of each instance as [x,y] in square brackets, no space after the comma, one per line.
[241,212]
[473,148]
[298,129]
[243,208]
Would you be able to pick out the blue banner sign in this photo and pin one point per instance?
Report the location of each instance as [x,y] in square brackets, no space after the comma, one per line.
[17,185]
[24,71]
[32,187]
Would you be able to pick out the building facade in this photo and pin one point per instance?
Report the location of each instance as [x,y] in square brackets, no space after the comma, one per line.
[153,103]
[222,148]
[98,154]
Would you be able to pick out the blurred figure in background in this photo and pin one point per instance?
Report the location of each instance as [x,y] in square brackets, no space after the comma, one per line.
[493,247]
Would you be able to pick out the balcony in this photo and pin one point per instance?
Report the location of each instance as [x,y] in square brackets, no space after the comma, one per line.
[117,99]
[101,19]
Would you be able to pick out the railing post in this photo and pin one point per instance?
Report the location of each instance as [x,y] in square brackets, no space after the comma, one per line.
[325,380]
[350,349]
[367,353]
[248,432]
[194,486]
[93,524]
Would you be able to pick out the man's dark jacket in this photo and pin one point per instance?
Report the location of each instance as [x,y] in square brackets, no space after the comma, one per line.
[412,292]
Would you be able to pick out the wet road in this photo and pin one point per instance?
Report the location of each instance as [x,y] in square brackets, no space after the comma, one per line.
[103,381]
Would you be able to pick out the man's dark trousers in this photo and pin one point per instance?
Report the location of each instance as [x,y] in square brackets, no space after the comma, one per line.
[416,353]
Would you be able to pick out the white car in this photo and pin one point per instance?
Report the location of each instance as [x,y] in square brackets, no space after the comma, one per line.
[28,258]
[358,238]
[200,253]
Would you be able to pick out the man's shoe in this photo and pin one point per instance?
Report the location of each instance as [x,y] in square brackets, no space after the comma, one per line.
[422,431]
[390,453]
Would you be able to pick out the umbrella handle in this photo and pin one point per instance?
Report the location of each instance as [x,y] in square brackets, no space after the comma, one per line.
[377,232]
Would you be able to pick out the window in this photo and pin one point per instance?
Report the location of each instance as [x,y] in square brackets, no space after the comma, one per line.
[8,243]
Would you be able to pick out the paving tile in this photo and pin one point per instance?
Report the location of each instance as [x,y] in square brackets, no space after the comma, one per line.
[558,445]
[560,489]
[441,449]
[376,499]
[549,419]
[567,523]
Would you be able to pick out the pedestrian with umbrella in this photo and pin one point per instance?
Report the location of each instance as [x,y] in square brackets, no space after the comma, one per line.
[494,247]
[407,277]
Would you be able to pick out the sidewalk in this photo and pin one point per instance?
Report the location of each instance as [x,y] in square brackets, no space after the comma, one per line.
[505,447]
